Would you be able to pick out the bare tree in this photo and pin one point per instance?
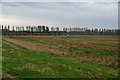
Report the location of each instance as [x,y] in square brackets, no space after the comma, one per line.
[39,28]
[52,29]
[31,29]
[8,28]
[47,29]
[57,28]
[13,29]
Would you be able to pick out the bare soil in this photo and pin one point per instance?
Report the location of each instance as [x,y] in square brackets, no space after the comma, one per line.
[36,46]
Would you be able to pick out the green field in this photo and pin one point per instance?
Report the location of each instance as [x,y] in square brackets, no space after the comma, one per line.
[84,56]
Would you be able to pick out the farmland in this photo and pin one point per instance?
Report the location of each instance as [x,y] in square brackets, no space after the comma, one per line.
[78,56]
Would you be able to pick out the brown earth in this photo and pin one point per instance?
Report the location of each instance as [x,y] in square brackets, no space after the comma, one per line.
[36,46]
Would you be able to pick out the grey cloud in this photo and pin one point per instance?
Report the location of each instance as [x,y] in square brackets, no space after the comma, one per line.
[67,13]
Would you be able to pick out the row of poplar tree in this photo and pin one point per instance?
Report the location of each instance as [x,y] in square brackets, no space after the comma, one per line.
[46,29]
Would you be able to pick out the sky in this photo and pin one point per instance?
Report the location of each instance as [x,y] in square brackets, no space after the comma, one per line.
[61,14]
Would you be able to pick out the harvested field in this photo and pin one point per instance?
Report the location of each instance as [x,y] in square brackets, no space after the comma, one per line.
[83,56]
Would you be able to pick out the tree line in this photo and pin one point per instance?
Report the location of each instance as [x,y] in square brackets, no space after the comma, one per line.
[46,29]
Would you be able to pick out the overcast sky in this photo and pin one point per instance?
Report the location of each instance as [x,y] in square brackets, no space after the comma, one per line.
[61,14]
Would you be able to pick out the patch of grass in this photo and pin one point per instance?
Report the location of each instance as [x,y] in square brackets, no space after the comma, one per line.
[23,63]
[70,48]
[32,40]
